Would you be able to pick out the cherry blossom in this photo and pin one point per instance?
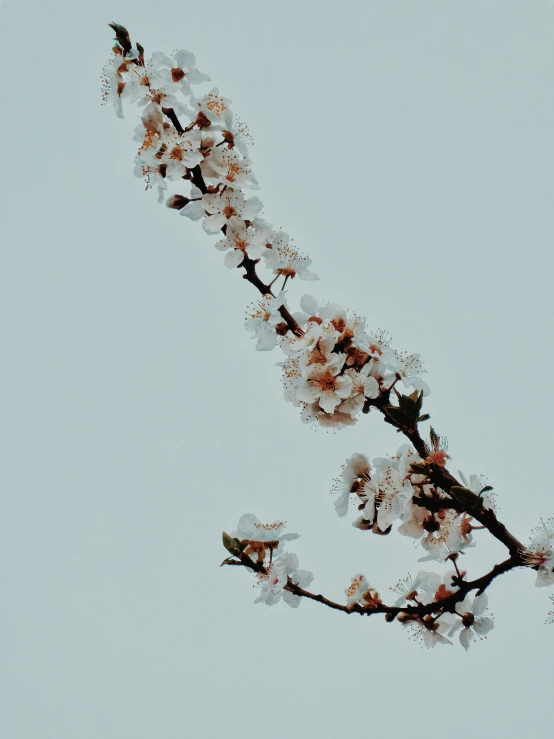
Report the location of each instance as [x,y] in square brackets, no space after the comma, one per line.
[277,575]
[472,623]
[236,133]
[229,168]
[335,367]
[261,319]
[425,588]
[324,384]
[354,475]
[221,206]
[540,553]
[261,537]
[210,109]
[286,261]
[429,630]
[477,484]
[359,592]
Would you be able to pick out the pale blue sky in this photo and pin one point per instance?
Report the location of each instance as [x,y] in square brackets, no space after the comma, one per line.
[407,146]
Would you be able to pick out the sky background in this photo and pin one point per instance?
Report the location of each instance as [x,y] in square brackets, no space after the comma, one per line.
[407,147]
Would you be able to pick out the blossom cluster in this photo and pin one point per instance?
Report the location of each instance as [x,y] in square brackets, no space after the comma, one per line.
[334,366]
[388,490]
[277,568]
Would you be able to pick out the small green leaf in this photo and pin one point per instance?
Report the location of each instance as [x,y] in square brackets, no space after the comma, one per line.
[398,416]
[418,397]
[233,546]
[466,497]
[486,489]
[424,417]
[409,405]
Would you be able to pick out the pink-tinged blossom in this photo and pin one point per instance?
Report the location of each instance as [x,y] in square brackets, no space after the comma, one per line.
[153,170]
[183,71]
[221,206]
[360,592]
[540,553]
[275,578]
[387,496]
[262,316]
[212,106]
[236,134]
[152,83]
[229,168]
[425,588]
[262,537]
[324,384]
[240,240]
[353,476]
[286,261]
[408,367]
[452,535]
[114,89]
[314,415]
[472,622]
[429,630]
[182,153]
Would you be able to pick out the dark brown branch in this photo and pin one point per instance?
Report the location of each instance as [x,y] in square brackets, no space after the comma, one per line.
[441,478]
[170,113]
[419,611]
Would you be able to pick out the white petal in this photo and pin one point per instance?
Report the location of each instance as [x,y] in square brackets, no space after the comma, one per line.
[371,388]
[483,625]
[466,637]
[328,401]
[480,604]
[291,599]
[309,305]
[341,504]
[233,258]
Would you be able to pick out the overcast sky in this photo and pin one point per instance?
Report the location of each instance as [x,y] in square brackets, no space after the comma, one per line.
[407,147]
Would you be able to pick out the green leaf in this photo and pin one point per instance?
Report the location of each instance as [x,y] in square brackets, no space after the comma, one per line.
[486,489]
[409,405]
[232,545]
[398,416]
[466,497]
[424,417]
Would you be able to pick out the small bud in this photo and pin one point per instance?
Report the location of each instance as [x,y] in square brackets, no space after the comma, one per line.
[121,36]
[232,545]
[177,202]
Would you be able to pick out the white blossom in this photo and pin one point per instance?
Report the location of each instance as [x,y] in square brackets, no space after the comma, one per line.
[262,537]
[221,206]
[472,622]
[262,317]
[277,576]
[240,240]
[286,261]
